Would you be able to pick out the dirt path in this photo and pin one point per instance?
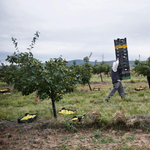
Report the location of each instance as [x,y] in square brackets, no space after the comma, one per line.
[14,136]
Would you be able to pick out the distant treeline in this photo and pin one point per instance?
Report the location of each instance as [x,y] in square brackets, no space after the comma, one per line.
[80,62]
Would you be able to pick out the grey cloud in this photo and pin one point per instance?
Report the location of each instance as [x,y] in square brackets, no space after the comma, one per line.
[91,27]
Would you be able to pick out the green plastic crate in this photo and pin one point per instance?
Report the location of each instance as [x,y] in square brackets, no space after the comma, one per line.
[126,78]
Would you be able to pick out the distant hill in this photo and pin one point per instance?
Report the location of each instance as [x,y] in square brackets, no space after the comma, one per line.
[80,62]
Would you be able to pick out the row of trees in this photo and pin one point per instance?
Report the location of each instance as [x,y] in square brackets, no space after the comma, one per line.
[86,70]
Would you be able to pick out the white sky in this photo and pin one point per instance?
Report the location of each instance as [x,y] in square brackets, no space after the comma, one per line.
[74,28]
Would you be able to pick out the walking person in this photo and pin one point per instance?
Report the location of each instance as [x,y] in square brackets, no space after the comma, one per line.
[117,85]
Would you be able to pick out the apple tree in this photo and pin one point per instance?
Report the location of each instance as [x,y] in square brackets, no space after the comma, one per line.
[86,71]
[143,68]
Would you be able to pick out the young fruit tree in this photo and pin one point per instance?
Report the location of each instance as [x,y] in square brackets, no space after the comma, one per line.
[50,81]
[75,71]
[99,68]
[86,72]
[143,68]
[107,69]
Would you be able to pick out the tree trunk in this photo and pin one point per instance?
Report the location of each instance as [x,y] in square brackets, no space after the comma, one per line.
[89,86]
[53,105]
[101,77]
[108,75]
[148,80]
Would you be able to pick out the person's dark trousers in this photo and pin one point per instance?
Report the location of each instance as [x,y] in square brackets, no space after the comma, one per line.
[148,80]
[117,87]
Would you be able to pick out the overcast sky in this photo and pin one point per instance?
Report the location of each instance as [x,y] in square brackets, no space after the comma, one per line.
[74,28]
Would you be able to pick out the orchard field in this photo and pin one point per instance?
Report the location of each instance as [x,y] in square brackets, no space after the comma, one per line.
[120,124]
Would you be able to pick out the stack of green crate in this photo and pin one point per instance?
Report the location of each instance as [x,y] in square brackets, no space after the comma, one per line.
[122,53]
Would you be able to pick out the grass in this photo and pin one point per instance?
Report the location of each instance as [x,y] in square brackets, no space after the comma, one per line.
[15,105]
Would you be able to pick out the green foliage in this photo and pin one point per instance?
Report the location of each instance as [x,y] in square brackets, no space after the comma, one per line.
[106,139]
[58,78]
[15,43]
[26,79]
[142,68]
[50,81]
[96,134]
[132,81]
[64,138]
[95,68]
[86,71]
[8,73]
[63,146]
[70,127]
[107,69]
[75,73]
[101,68]
[83,72]
[129,138]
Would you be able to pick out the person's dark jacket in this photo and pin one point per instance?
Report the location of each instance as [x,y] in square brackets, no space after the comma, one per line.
[115,76]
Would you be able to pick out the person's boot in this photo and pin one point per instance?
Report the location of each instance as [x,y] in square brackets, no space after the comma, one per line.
[106,100]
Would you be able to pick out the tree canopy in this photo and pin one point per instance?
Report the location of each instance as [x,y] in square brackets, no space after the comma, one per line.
[50,81]
[142,68]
